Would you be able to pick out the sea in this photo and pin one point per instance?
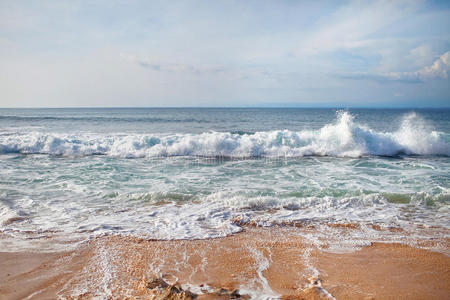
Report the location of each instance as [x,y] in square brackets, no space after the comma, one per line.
[72,174]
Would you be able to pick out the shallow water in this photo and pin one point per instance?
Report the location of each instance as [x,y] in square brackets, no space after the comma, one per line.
[191,173]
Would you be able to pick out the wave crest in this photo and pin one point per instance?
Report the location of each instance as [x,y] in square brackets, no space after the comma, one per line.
[344,138]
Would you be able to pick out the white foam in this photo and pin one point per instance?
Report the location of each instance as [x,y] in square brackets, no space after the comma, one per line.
[214,215]
[344,138]
[263,263]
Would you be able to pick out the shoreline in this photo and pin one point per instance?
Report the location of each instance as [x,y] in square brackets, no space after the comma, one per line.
[259,262]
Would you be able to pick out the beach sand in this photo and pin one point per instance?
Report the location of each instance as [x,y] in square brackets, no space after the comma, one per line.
[274,262]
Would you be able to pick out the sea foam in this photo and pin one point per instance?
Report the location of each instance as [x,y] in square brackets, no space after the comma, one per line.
[343,138]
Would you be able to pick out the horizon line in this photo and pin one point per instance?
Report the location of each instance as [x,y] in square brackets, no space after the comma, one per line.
[229,107]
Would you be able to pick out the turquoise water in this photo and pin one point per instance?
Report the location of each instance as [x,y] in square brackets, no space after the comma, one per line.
[191,173]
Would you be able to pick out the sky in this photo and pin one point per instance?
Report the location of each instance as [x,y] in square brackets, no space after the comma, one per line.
[56,53]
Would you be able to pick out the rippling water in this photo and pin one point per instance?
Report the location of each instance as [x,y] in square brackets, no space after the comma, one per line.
[191,173]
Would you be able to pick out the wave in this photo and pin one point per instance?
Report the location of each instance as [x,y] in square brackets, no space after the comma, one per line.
[343,138]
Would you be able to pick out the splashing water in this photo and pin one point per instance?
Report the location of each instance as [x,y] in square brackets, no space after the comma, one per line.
[344,138]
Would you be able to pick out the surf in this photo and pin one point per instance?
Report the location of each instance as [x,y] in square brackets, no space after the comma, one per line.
[343,138]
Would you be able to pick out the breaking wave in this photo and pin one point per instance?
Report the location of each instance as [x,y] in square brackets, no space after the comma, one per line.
[343,138]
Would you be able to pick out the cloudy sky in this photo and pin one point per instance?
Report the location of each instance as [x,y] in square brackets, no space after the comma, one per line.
[224,53]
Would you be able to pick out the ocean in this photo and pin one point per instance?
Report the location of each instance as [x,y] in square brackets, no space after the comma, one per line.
[194,173]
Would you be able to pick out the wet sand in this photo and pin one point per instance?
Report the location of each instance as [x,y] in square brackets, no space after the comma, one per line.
[261,262]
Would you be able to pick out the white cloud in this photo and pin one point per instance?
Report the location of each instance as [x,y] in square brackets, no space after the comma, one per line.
[439,69]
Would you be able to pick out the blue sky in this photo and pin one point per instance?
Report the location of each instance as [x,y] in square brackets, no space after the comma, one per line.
[225,53]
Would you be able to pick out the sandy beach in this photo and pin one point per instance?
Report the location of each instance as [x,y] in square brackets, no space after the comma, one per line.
[258,262]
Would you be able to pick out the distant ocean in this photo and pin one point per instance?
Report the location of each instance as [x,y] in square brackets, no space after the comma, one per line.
[185,173]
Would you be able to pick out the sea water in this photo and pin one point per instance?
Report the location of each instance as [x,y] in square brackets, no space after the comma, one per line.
[185,173]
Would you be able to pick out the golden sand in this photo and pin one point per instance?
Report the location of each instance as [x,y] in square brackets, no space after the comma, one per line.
[258,262]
